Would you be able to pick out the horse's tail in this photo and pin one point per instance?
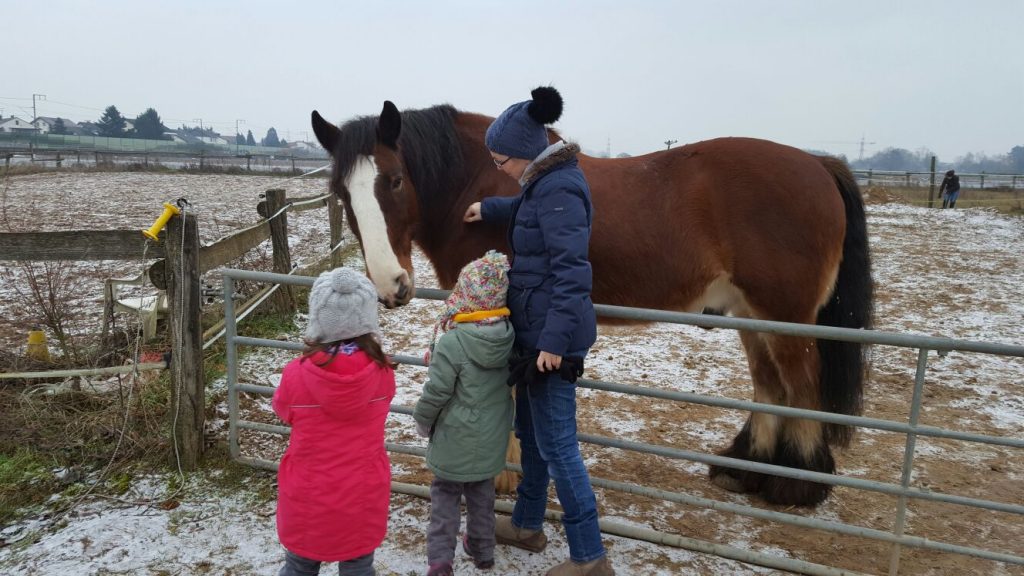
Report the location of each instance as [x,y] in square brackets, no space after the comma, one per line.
[844,364]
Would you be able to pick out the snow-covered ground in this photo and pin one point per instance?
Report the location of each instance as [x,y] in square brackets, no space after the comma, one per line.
[955,273]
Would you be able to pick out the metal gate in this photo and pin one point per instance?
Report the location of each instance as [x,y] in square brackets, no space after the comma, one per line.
[904,490]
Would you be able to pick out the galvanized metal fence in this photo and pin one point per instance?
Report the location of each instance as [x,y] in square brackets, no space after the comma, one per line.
[903,491]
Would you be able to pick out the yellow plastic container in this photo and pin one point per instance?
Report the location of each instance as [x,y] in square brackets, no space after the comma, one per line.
[169,210]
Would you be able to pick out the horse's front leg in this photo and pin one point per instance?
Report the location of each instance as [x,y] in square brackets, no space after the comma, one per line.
[759,438]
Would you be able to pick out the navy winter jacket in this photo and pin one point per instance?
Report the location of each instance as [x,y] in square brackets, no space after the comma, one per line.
[550,277]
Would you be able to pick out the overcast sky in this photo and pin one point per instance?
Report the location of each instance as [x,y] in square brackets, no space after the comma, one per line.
[942,75]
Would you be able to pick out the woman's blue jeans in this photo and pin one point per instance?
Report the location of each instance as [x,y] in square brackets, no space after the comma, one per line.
[546,428]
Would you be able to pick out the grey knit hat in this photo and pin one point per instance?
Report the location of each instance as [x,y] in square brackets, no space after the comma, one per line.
[342,305]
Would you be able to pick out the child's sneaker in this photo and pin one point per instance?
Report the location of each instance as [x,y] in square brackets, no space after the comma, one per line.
[480,564]
[441,569]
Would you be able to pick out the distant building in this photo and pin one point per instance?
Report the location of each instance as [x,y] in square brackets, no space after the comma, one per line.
[13,124]
[303,146]
[45,124]
[174,137]
[86,129]
[212,140]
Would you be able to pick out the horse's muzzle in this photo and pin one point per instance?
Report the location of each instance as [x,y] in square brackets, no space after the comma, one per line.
[403,292]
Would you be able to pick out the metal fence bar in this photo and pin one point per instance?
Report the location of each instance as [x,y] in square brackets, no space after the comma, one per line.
[230,336]
[789,412]
[908,457]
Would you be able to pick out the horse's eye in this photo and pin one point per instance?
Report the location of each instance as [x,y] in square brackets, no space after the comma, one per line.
[396,183]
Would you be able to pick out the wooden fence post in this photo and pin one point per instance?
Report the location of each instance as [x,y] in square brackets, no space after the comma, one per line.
[188,394]
[931,186]
[284,302]
[335,216]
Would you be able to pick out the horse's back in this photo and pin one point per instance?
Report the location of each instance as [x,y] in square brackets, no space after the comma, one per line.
[755,220]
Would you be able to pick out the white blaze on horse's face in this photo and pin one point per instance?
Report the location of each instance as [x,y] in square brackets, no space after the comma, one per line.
[391,280]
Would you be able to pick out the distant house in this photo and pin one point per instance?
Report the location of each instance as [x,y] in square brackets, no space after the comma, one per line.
[45,124]
[304,146]
[212,140]
[86,129]
[13,124]
[174,137]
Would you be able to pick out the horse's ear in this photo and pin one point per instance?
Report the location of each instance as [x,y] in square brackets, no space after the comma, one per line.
[389,126]
[326,132]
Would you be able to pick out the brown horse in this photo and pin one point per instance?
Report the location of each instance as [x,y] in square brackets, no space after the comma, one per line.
[749,227]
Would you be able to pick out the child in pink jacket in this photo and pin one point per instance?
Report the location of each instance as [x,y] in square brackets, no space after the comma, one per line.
[334,481]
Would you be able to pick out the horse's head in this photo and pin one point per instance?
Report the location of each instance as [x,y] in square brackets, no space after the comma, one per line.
[378,196]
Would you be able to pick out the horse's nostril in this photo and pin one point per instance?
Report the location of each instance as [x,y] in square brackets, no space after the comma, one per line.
[402,280]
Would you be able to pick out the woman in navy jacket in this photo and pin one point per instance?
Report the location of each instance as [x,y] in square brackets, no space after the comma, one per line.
[549,296]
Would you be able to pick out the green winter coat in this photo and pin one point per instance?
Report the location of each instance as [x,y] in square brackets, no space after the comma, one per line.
[467,402]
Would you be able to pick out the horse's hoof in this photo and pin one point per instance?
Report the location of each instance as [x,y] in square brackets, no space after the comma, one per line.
[790,492]
[711,312]
[728,482]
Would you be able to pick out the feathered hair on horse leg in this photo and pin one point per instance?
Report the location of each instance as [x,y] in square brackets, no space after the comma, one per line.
[546,106]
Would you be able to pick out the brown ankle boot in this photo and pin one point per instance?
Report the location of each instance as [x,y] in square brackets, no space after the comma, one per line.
[505,532]
[600,567]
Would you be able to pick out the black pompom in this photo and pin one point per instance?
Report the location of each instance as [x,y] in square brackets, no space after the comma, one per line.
[546,106]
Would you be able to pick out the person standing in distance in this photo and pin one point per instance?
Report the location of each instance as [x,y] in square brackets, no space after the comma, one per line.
[950,189]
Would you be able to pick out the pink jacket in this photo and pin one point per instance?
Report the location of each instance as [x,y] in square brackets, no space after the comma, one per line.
[334,482]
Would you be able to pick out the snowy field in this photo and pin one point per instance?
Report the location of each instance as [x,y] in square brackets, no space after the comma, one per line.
[954,273]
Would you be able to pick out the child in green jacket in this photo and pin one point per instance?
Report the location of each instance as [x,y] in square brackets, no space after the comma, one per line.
[466,410]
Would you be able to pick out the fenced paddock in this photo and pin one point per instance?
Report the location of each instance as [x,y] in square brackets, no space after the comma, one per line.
[906,491]
[938,272]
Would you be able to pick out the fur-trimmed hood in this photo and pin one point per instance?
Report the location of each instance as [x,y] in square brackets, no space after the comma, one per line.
[558,153]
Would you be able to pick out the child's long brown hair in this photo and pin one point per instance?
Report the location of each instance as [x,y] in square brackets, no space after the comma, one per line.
[367,343]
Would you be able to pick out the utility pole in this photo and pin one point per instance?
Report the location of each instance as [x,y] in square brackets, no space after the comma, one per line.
[200,120]
[237,133]
[861,157]
[669,143]
[34,96]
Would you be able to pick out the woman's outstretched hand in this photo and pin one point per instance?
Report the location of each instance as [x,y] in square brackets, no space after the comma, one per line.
[473,213]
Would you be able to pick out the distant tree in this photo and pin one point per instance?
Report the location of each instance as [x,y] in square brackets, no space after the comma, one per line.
[59,127]
[239,139]
[284,143]
[271,139]
[623,155]
[149,126]
[249,140]
[896,159]
[1016,157]
[111,124]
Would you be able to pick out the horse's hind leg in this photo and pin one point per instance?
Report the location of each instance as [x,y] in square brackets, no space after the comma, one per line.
[759,438]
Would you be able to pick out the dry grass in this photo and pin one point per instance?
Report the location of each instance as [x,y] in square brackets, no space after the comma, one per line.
[1002,200]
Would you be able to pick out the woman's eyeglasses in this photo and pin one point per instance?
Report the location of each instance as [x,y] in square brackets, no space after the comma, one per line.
[500,163]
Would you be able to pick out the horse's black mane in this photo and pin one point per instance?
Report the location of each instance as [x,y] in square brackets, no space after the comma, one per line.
[430,150]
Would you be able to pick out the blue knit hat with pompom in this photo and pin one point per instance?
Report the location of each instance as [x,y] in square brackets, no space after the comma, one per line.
[519,132]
